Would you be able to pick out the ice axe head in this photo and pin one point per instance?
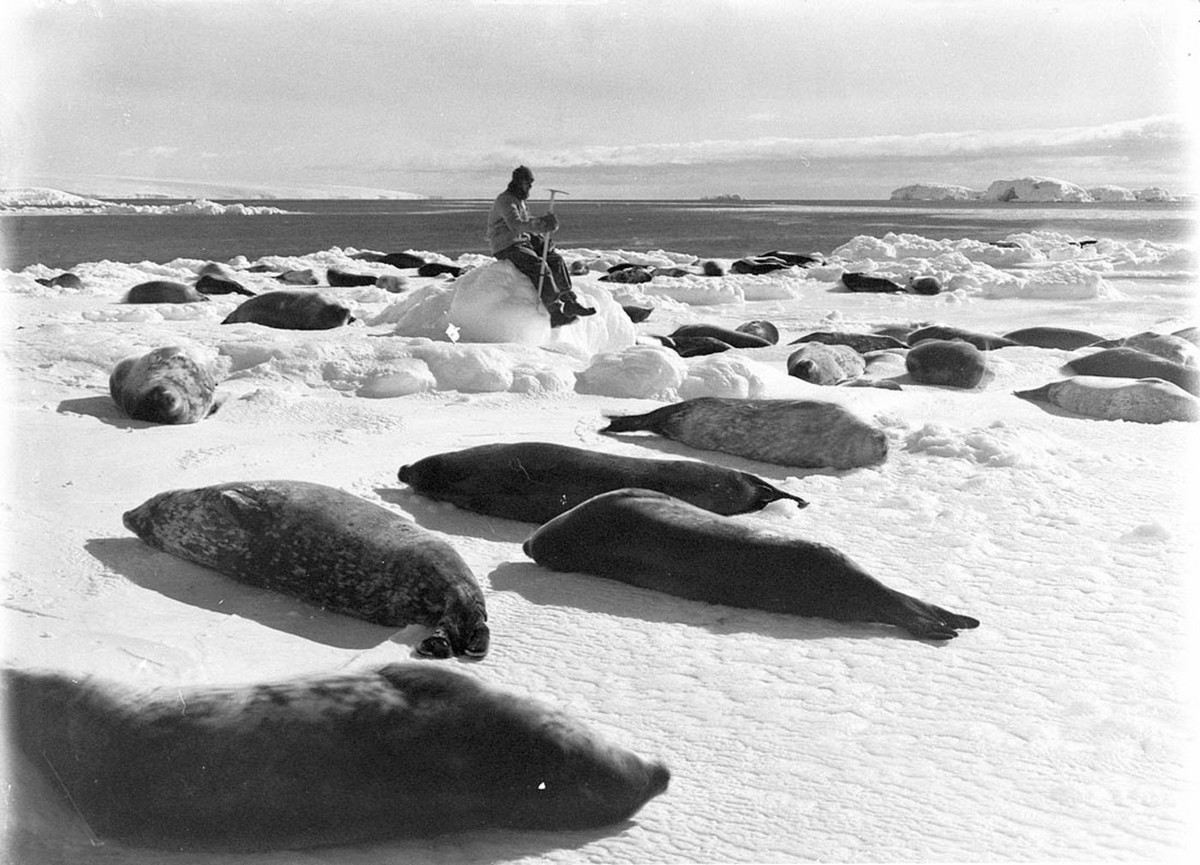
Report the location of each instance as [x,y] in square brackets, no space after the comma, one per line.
[554,192]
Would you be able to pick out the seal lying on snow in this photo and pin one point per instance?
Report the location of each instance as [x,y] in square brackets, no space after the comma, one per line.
[291,310]
[537,481]
[946,362]
[163,291]
[819,363]
[1134,363]
[1144,400]
[658,542]
[803,433]
[326,547]
[404,750]
[167,385]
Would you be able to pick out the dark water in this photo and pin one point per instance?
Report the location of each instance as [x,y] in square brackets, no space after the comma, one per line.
[454,227]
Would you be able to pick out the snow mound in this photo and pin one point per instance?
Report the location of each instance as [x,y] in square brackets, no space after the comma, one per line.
[997,445]
[1064,281]
[638,372]
[1035,189]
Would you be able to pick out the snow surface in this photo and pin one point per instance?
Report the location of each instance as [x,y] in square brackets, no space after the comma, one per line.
[1061,729]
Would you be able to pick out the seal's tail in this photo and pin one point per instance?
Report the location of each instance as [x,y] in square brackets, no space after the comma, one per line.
[651,421]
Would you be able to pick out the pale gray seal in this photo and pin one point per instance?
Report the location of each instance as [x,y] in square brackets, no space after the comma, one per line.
[168,385]
[822,364]
[404,750]
[327,547]
[1142,400]
[658,542]
[802,433]
[1134,363]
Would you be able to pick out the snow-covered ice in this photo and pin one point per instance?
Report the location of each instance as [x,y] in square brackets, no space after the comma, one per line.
[1060,729]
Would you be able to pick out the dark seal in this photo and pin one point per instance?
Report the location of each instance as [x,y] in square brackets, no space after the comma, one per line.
[761,328]
[801,432]
[291,310]
[405,750]
[328,548]
[163,291]
[346,279]
[1066,338]
[946,362]
[537,481]
[865,282]
[62,280]
[652,540]
[982,341]
[860,342]
[735,338]
[167,385]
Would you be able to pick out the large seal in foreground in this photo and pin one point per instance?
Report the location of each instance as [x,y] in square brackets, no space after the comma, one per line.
[1143,400]
[405,750]
[166,385]
[291,310]
[658,542]
[326,547]
[537,481]
[803,433]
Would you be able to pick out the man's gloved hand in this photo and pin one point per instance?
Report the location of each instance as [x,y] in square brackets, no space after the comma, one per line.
[549,223]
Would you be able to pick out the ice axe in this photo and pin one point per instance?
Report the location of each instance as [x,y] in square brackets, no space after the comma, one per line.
[546,245]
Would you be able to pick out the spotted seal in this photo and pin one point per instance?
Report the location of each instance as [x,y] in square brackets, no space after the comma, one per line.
[291,310]
[1127,362]
[537,481]
[655,541]
[402,750]
[818,363]
[802,433]
[1142,400]
[327,547]
[168,385]
[760,328]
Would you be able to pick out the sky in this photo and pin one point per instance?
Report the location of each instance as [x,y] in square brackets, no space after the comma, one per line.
[819,99]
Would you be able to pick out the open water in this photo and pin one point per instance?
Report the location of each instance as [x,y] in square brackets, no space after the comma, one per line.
[453,227]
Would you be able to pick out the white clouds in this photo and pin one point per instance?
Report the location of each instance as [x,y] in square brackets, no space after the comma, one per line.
[1161,135]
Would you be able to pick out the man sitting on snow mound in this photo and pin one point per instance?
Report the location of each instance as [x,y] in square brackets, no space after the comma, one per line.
[513,237]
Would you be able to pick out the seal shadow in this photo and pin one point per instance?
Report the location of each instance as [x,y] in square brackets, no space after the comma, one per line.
[452,520]
[201,587]
[593,594]
[103,409]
